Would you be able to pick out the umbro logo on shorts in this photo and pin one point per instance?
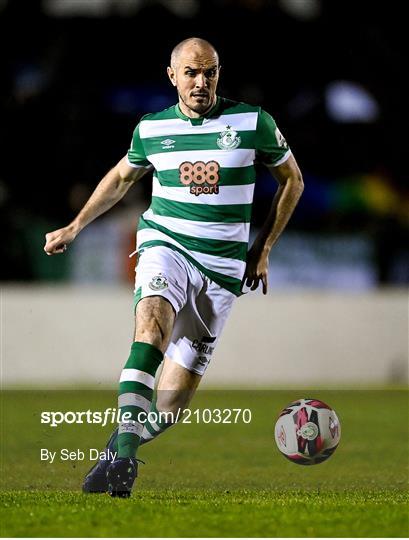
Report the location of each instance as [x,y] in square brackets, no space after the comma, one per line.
[200,176]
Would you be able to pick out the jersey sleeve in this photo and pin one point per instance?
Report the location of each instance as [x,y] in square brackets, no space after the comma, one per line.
[271,146]
[136,154]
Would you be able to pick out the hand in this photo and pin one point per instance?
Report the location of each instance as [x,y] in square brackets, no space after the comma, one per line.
[57,241]
[256,268]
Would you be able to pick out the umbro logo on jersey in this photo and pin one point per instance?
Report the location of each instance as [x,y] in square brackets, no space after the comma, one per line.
[168,144]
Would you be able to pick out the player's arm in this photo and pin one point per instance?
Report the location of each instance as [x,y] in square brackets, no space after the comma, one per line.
[108,192]
[290,188]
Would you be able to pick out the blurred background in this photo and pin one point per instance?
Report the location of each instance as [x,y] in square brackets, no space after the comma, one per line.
[77,75]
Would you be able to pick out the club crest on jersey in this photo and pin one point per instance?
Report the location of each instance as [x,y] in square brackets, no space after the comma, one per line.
[158,283]
[229,139]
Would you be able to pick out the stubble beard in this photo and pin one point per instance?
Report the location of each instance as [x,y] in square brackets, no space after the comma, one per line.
[199,108]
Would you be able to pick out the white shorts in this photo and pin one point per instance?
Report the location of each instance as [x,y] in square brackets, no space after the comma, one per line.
[201,306]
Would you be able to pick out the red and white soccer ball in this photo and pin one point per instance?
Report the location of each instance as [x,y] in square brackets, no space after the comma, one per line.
[307,431]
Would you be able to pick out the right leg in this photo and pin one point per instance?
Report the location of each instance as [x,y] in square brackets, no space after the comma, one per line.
[160,293]
[175,389]
[154,319]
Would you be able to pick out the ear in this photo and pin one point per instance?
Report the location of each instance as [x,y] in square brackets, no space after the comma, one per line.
[171,75]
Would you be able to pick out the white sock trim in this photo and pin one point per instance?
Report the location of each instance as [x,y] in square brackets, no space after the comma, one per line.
[136,375]
[136,400]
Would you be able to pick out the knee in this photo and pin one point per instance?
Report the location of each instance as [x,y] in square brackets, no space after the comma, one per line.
[151,333]
[154,321]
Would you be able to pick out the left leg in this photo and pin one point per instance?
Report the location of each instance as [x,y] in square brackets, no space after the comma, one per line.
[195,336]
[175,389]
[197,330]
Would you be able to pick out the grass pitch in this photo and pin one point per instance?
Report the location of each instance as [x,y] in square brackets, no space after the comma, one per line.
[211,479]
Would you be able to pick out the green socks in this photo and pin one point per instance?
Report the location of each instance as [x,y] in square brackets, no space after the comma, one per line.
[152,429]
[135,395]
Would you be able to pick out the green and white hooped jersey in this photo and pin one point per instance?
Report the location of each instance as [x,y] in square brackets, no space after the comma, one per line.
[203,182]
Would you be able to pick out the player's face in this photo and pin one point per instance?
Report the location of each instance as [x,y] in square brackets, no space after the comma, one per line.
[195,76]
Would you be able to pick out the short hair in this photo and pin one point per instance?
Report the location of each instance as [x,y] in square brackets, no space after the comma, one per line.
[178,48]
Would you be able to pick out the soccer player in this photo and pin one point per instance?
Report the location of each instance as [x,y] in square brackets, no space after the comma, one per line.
[191,242]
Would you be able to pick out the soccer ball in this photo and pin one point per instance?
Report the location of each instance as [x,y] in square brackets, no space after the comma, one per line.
[307,431]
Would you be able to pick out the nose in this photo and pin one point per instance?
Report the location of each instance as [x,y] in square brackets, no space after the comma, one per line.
[200,81]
